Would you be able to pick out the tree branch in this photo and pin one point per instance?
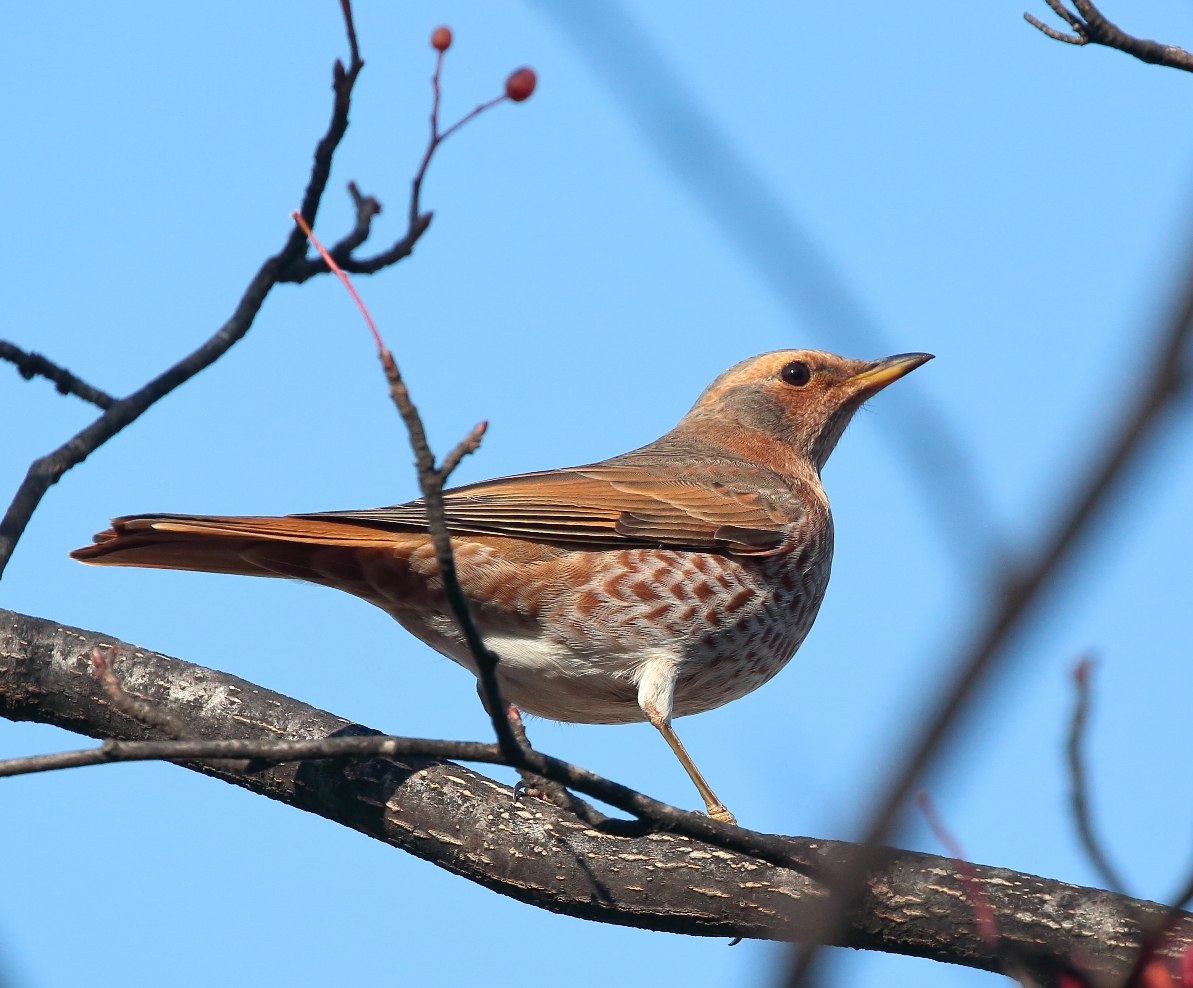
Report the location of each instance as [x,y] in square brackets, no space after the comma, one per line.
[1078,785]
[431,479]
[913,903]
[289,265]
[1090,27]
[30,365]
[46,471]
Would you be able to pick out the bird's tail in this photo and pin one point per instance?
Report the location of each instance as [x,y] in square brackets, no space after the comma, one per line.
[284,546]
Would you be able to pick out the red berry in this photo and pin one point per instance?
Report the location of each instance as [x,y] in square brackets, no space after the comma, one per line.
[520,84]
[441,38]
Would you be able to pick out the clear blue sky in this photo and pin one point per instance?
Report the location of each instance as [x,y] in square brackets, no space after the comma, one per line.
[1018,207]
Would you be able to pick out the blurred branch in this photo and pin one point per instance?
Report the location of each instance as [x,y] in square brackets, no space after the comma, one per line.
[683,882]
[1078,787]
[30,365]
[1158,930]
[1090,27]
[982,915]
[786,256]
[1024,586]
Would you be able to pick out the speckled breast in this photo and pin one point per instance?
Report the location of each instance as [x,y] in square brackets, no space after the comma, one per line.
[573,629]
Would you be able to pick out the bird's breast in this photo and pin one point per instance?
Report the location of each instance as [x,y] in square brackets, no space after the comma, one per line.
[572,628]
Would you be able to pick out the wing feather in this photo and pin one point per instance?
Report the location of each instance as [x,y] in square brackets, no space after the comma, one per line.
[605,505]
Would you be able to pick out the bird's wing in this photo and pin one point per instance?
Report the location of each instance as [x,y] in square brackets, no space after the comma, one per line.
[604,505]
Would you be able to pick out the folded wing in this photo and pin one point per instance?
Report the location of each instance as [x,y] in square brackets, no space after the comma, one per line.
[605,505]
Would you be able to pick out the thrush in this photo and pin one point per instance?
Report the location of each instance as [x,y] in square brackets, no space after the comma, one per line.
[662,582]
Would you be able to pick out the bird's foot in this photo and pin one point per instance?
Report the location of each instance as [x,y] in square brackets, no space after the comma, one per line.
[718,812]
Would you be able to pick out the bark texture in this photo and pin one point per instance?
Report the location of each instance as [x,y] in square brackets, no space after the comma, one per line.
[468,824]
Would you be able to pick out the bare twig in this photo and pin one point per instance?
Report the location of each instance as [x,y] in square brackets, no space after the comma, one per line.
[48,470]
[438,137]
[367,207]
[30,365]
[431,479]
[1090,27]
[1078,787]
[654,815]
[150,714]
[1064,14]
[1023,587]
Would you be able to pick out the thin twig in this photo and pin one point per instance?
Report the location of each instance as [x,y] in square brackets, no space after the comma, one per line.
[659,816]
[417,221]
[431,479]
[365,208]
[438,137]
[149,714]
[30,365]
[1053,33]
[1078,787]
[350,26]
[48,470]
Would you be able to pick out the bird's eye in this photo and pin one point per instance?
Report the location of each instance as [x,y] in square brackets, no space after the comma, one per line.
[796,373]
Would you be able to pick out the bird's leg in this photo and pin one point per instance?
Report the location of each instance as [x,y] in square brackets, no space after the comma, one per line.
[656,693]
[530,784]
[714,807]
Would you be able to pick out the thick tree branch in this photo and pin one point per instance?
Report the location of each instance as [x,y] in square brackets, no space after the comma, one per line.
[533,851]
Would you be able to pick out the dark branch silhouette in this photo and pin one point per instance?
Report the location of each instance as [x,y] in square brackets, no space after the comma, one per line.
[1090,27]
[48,470]
[289,265]
[31,365]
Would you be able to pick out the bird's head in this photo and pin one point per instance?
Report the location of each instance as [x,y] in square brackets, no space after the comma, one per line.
[801,398]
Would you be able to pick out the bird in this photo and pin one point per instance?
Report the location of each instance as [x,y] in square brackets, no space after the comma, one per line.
[658,583]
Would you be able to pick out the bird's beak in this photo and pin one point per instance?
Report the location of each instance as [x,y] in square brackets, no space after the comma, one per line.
[877,375]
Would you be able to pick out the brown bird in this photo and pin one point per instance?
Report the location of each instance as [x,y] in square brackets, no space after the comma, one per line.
[662,582]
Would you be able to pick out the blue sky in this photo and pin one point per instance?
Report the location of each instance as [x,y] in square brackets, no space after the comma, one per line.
[960,184]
